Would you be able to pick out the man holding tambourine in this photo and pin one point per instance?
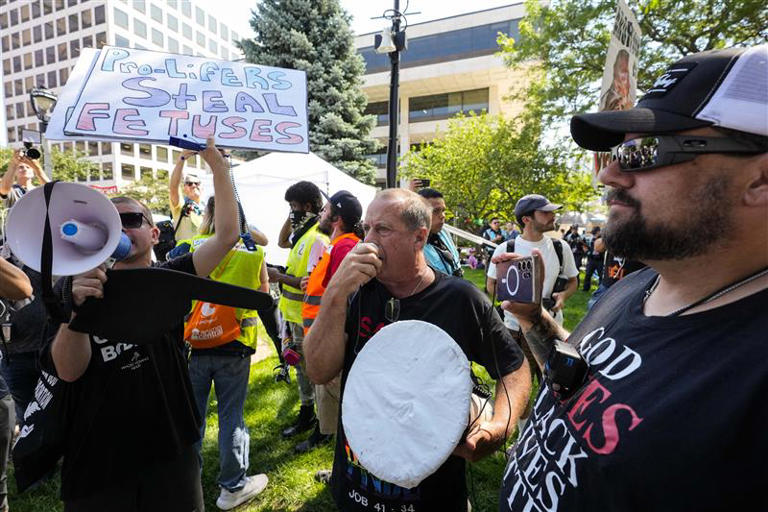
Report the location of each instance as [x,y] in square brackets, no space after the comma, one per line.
[383,283]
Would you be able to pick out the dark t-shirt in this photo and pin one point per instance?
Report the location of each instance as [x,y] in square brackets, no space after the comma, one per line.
[133,407]
[28,322]
[671,418]
[461,310]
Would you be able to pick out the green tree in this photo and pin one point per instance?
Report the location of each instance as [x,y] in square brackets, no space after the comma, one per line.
[569,40]
[153,192]
[483,164]
[314,36]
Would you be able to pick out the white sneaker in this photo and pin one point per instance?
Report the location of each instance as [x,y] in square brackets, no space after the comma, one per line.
[253,486]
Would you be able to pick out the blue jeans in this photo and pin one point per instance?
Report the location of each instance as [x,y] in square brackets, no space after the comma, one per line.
[229,374]
[21,372]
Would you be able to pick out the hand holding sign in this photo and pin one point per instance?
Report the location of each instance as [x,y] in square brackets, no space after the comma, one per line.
[214,157]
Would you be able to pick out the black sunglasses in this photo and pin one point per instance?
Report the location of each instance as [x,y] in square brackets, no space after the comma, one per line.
[132,220]
[652,151]
[190,183]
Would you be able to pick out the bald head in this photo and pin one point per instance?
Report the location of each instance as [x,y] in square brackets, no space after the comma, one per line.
[414,210]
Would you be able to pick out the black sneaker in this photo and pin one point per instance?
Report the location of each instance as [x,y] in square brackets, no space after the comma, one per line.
[304,422]
[313,440]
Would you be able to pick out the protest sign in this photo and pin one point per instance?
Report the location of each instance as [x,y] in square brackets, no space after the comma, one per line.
[146,96]
[619,84]
[68,96]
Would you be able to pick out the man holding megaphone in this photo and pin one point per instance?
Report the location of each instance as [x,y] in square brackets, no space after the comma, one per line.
[134,422]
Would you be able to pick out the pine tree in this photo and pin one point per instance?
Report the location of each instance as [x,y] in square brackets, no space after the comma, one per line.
[314,36]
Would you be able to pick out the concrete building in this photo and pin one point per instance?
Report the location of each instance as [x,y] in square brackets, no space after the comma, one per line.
[41,40]
[450,66]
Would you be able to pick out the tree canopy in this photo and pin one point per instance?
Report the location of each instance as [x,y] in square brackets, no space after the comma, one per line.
[483,164]
[569,40]
[314,36]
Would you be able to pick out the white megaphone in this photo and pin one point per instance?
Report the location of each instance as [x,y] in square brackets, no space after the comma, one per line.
[85,229]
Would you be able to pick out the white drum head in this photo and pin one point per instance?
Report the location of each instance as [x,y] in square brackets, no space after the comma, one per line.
[406,402]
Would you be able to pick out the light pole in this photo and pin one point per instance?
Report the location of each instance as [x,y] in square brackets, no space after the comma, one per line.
[43,100]
[392,41]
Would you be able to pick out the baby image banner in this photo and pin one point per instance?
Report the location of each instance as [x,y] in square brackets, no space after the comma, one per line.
[148,96]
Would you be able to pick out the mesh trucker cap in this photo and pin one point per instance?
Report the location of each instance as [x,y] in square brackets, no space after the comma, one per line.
[727,88]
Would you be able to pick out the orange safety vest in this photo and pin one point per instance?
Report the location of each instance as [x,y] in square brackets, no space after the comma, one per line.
[315,288]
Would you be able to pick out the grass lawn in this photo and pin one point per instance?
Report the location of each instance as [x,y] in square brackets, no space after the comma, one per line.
[270,408]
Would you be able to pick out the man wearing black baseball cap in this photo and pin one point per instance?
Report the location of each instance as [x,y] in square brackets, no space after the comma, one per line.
[340,220]
[536,216]
[669,412]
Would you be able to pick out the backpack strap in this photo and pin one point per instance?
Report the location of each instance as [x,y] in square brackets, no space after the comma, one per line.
[182,214]
[558,245]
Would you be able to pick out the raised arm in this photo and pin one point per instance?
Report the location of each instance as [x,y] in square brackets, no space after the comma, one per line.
[38,172]
[538,326]
[258,237]
[10,175]
[324,345]
[283,239]
[14,284]
[175,179]
[227,231]
[71,350]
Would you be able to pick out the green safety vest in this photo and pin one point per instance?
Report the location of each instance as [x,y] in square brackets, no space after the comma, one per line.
[243,269]
[292,298]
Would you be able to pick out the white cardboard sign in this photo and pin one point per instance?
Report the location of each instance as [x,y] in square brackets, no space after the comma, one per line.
[147,96]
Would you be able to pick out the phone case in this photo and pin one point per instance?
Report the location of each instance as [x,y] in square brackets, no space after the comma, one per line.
[517,281]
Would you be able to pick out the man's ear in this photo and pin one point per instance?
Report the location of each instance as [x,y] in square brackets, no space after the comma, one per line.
[155,235]
[421,238]
[757,190]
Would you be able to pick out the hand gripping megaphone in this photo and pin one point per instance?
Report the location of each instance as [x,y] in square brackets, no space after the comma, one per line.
[85,227]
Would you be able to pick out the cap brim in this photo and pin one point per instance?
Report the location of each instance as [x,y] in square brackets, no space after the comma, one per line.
[601,131]
[549,207]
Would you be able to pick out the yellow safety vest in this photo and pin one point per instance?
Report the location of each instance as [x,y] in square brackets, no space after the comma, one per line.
[292,298]
[242,269]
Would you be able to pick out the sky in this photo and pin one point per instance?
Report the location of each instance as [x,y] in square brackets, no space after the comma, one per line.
[238,12]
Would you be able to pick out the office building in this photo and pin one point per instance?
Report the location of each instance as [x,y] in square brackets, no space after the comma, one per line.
[450,66]
[41,41]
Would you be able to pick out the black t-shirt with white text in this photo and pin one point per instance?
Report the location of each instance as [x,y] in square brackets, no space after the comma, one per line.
[133,407]
[671,417]
[462,311]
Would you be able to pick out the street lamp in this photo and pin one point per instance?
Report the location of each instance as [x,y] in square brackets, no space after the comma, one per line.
[43,100]
[392,41]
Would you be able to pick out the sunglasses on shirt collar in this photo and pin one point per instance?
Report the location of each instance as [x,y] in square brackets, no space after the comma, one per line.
[133,220]
[652,151]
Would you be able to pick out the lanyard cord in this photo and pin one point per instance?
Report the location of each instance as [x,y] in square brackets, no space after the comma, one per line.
[709,298]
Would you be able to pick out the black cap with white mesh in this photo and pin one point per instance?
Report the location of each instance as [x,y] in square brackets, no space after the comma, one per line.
[727,88]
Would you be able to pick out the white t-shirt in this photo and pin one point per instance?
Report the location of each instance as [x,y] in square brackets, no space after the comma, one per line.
[551,268]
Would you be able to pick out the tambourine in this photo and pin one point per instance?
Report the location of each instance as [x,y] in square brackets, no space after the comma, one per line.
[407,401]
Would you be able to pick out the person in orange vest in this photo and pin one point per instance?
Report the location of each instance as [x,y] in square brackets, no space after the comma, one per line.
[340,219]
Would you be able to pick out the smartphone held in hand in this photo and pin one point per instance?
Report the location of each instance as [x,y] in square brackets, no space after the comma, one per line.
[517,281]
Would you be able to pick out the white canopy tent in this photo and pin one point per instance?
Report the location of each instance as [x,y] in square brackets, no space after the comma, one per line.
[261,184]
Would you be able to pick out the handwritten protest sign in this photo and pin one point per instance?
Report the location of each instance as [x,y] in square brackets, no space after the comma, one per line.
[149,96]
[620,74]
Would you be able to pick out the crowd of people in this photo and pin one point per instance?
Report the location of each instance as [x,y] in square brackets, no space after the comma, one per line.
[653,402]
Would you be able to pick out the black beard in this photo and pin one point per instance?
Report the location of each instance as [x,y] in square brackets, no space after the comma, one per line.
[693,233]
[324,228]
